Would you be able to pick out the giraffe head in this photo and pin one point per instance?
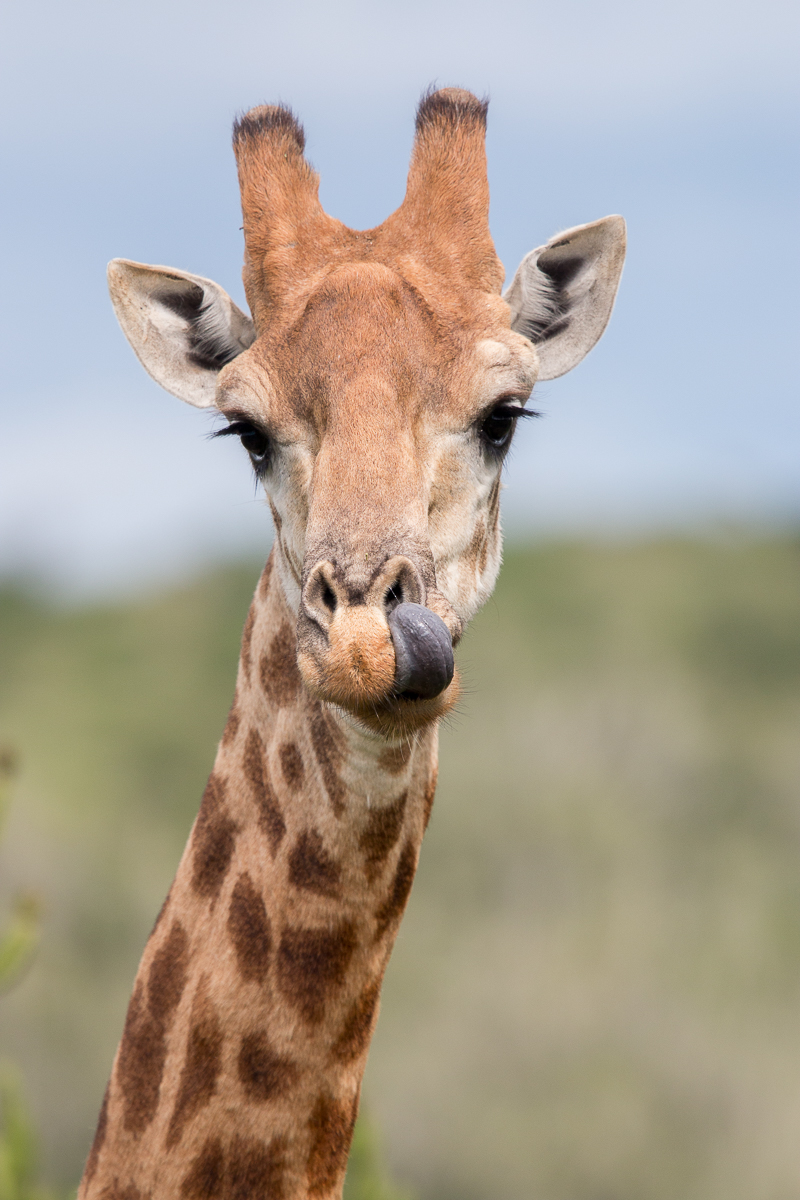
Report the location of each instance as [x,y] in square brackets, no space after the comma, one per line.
[376,390]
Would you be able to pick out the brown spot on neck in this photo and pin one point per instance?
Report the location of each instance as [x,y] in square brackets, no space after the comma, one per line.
[311,867]
[249,1170]
[143,1049]
[353,1041]
[312,964]
[392,908]
[140,1064]
[292,768]
[213,841]
[167,976]
[331,1127]
[205,1178]
[280,678]
[329,756]
[262,1072]
[381,834]
[270,817]
[250,931]
[256,1169]
[201,1066]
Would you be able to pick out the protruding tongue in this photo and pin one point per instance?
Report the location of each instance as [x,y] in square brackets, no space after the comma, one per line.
[423,652]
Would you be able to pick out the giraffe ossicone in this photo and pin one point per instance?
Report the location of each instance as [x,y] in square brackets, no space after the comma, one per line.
[376,389]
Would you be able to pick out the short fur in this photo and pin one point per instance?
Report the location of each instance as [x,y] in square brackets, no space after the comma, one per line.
[378,358]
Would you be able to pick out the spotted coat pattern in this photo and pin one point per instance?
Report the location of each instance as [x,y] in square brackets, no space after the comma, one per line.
[239,1069]
[374,375]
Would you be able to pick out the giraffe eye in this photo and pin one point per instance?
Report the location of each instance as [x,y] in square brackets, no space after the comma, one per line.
[255,440]
[496,428]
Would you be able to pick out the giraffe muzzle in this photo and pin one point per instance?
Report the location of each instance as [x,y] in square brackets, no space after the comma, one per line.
[423,652]
[378,645]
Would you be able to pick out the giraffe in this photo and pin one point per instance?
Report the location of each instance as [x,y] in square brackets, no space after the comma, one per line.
[376,389]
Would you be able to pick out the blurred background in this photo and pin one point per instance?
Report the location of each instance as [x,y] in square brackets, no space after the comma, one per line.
[596,990]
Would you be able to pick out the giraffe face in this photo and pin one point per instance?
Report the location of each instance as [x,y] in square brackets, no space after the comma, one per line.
[376,389]
[378,422]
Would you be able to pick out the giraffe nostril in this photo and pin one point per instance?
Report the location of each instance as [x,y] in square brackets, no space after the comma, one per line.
[393,597]
[321,598]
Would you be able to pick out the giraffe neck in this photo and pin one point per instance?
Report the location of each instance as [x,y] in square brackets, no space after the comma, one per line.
[239,1069]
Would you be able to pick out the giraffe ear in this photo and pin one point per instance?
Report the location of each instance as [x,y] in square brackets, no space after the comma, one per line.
[562,294]
[183,328]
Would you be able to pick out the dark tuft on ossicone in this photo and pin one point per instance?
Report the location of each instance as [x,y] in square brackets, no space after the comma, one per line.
[267,120]
[450,106]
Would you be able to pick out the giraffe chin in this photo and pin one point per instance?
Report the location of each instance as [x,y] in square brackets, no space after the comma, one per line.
[402,716]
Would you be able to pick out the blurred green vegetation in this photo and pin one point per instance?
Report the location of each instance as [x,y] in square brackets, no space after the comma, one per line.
[20,936]
[18,941]
[18,1143]
[596,989]
[367,1176]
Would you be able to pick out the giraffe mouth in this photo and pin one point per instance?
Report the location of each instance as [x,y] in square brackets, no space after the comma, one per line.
[401,715]
[372,645]
[395,672]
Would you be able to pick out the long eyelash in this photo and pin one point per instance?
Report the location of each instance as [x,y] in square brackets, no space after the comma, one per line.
[235,428]
[513,411]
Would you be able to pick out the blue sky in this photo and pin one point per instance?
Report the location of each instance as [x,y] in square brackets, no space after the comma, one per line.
[115,127]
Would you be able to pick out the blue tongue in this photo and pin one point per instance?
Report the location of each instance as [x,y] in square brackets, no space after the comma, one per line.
[423,652]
